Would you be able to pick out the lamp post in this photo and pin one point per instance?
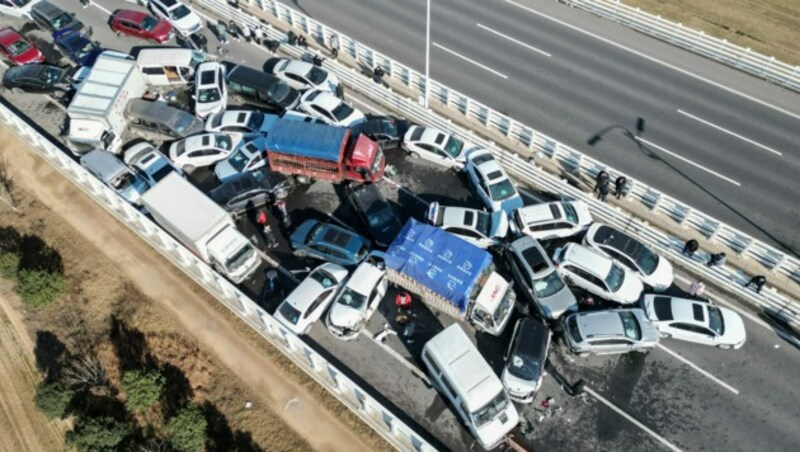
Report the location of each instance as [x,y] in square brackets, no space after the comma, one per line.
[427,53]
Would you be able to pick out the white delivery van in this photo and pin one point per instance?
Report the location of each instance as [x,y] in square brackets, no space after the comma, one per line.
[458,371]
[169,65]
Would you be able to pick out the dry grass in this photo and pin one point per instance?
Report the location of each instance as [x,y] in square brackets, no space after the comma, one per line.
[771,27]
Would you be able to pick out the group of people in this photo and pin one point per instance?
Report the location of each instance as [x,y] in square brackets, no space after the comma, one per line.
[603,186]
[717,260]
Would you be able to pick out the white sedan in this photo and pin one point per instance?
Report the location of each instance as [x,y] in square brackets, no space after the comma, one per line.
[477,227]
[357,301]
[311,298]
[240,121]
[149,162]
[695,321]
[491,183]
[435,146]
[204,149]
[329,108]
[183,19]
[301,74]
[211,93]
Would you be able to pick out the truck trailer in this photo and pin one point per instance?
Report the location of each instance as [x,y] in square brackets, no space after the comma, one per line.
[451,275]
[318,151]
[202,226]
[96,113]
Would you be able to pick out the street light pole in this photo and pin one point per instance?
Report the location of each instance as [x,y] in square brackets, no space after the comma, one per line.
[427,54]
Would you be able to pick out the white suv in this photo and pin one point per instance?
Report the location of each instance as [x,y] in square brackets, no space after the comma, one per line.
[435,146]
[183,19]
[477,227]
[491,183]
[553,220]
[587,268]
[211,94]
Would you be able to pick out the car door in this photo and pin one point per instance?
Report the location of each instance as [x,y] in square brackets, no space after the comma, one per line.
[131,28]
[324,114]
[482,188]
[691,333]
[623,259]
[316,308]
[295,81]
[521,275]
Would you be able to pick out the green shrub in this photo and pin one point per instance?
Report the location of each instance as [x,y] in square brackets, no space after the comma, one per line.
[186,430]
[39,288]
[97,434]
[142,388]
[9,263]
[52,399]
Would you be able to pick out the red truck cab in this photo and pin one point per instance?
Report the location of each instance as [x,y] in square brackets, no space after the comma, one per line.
[364,160]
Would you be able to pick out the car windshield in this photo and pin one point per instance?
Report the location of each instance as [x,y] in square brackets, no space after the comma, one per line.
[179,12]
[646,260]
[122,182]
[161,173]
[223,142]
[289,313]
[483,223]
[548,286]
[630,325]
[715,321]
[208,95]
[85,50]
[615,277]
[453,147]
[255,121]
[149,23]
[342,111]
[324,278]
[501,190]
[379,214]
[352,299]
[491,410]
[180,148]
[239,159]
[279,91]
[183,122]
[52,74]
[316,75]
[523,366]
[238,259]
[504,307]
[570,213]
[19,47]
[62,20]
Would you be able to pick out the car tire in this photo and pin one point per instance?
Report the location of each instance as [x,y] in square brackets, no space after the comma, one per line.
[413,155]
[666,336]
[583,355]
[724,347]
[301,253]
[17,90]
[189,169]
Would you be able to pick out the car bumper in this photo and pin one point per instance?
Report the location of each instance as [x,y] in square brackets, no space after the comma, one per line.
[345,334]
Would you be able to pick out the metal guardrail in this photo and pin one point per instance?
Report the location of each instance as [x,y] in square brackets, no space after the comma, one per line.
[744,59]
[781,306]
[372,412]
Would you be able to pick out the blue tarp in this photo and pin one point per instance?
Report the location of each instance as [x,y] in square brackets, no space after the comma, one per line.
[306,139]
[438,260]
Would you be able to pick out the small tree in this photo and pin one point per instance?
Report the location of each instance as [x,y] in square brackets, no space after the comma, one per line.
[39,288]
[9,263]
[187,429]
[142,388]
[52,399]
[96,433]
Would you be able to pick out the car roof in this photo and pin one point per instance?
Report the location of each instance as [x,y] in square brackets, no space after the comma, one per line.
[460,216]
[9,35]
[431,136]
[588,259]
[305,294]
[492,171]
[336,236]
[365,278]
[538,213]
[366,194]
[206,67]
[201,141]
[298,67]
[326,100]
[532,252]
[531,339]
[130,14]
[681,310]
[47,9]
[249,76]
[600,323]
[606,235]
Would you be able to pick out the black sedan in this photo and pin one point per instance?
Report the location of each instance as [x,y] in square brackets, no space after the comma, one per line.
[251,190]
[40,78]
[386,130]
[378,215]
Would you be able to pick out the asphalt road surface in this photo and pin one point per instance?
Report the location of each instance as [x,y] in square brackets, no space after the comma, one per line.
[722,141]
[680,395]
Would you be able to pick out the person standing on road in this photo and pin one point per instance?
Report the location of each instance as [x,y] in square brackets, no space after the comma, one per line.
[697,289]
[269,236]
[758,281]
[601,179]
[690,248]
[620,186]
[716,260]
[334,45]
[377,74]
[317,60]
[604,191]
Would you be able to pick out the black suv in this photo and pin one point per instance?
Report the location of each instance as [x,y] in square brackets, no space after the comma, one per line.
[375,212]
[264,89]
[52,18]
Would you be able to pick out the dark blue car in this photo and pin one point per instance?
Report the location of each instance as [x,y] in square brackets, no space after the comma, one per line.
[77,46]
[329,243]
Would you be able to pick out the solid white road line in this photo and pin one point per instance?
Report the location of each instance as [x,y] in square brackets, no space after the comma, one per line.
[655,60]
[101,8]
[627,416]
[721,129]
[697,165]
[699,369]
[470,61]
[514,40]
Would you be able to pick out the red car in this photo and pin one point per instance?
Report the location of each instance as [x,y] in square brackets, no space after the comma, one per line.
[141,25]
[18,49]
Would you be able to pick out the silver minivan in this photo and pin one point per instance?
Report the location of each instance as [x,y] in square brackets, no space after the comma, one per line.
[161,120]
[117,175]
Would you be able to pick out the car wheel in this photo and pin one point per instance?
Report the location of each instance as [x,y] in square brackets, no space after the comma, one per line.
[155,42]
[17,90]
[666,336]
[189,168]
[300,253]
[413,155]
[724,347]
[583,354]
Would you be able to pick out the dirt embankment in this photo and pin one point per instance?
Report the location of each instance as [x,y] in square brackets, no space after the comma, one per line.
[139,307]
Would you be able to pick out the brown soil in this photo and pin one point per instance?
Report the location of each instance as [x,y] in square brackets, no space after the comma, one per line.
[223,361]
[771,27]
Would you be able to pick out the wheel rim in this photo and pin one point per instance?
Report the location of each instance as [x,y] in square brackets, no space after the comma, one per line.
[413,155]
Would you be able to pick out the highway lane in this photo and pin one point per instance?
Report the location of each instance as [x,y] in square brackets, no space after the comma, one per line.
[724,154]
[677,401]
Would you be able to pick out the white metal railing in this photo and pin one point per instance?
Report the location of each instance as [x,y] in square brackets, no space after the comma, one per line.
[696,41]
[529,141]
[372,412]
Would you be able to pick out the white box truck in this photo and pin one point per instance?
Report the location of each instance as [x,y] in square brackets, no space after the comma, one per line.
[202,226]
[97,111]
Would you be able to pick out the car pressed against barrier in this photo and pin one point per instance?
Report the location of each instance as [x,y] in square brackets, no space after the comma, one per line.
[301,74]
[324,105]
[149,162]
[435,146]
[41,78]
[306,303]
[357,301]
[491,183]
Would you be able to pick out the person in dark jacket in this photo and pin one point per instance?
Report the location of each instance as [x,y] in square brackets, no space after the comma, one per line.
[716,260]
[605,189]
[620,187]
[757,281]
[690,247]
[601,179]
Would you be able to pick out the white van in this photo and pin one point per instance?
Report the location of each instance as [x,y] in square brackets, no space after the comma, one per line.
[169,66]
[459,372]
